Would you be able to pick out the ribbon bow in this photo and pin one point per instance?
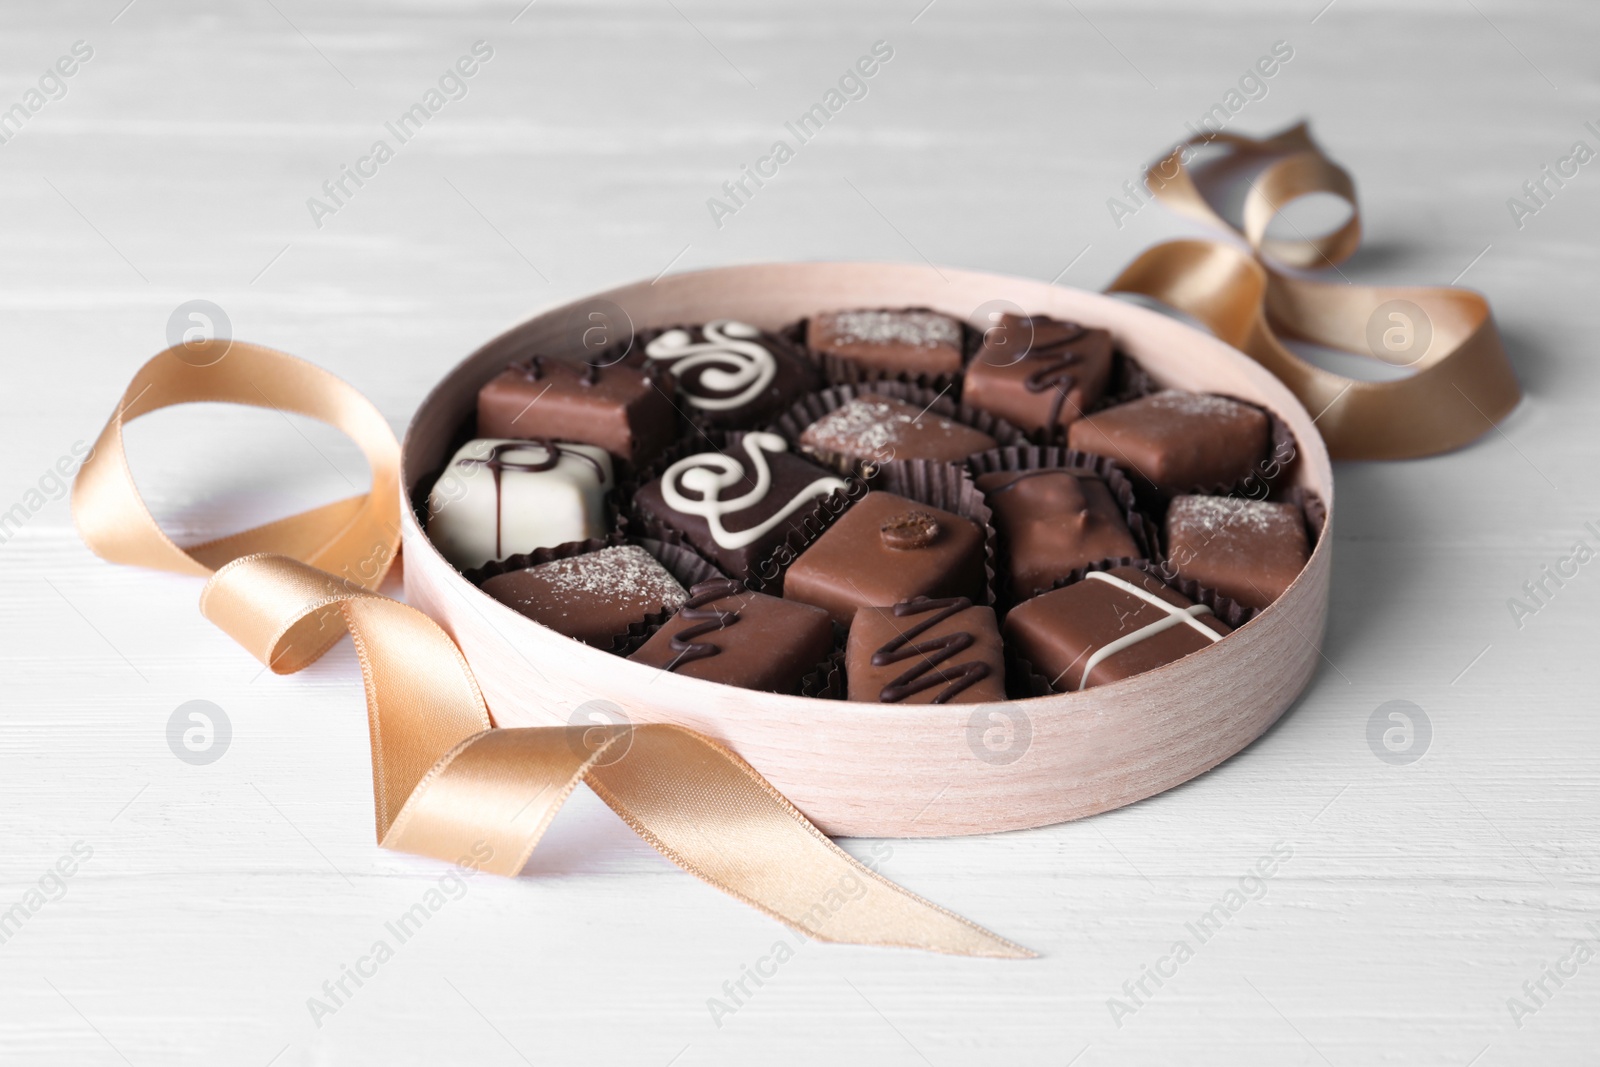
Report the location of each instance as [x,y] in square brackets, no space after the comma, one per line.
[1461,382]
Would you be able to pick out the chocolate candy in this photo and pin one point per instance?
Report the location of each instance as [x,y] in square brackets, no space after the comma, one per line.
[500,497]
[1053,520]
[726,634]
[593,597]
[915,341]
[1110,626]
[729,373]
[1178,441]
[925,651]
[621,409]
[884,550]
[874,429]
[1042,384]
[1247,550]
[737,508]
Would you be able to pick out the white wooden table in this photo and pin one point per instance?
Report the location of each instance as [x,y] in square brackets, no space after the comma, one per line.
[216,899]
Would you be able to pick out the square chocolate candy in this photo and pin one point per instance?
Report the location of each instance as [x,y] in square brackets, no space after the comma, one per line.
[914,341]
[884,550]
[729,373]
[1248,550]
[1053,520]
[925,651]
[1178,441]
[501,497]
[877,429]
[593,597]
[737,507]
[621,409]
[1039,373]
[727,634]
[1109,626]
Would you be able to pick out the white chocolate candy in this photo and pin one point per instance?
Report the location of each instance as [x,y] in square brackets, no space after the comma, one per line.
[499,497]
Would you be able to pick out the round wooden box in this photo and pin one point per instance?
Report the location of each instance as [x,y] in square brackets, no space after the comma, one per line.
[898,770]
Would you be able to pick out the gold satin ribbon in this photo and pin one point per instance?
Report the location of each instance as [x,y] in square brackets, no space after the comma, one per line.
[1462,383]
[445,782]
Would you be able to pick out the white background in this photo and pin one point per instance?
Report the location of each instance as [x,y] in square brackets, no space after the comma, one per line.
[219,898]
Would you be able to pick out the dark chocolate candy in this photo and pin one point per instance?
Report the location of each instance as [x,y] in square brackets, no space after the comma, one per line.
[1247,550]
[737,507]
[1040,373]
[1052,521]
[877,429]
[623,410]
[730,374]
[925,651]
[1178,441]
[592,597]
[884,550]
[726,634]
[914,341]
[1109,626]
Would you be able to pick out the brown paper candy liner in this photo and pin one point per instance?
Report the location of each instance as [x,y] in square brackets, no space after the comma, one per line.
[1033,457]
[949,487]
[1315,511]
[836,370]
[827,681]
[1129,381]
[684,565]
[1023,680]
[768,573]
[808,409]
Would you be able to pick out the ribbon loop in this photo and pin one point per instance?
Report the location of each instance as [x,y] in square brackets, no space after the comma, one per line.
[356,537]
[1460,382]
[1282,183]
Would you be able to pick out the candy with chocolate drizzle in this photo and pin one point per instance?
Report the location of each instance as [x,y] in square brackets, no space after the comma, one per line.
[500,497]
[926,651]
[724,633]
[1060,375]
[494,461]
[699,610]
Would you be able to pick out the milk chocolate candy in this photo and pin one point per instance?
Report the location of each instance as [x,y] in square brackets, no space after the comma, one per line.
[1052,521]
[914,341]
[1247,550]
[593,597]
[886,549]
[623,410]
[1039,373]
[729,374]
[922,651]
[727,634]
[873,429]
[500,497]
[737,507]
[1178,441]
[1109,626]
